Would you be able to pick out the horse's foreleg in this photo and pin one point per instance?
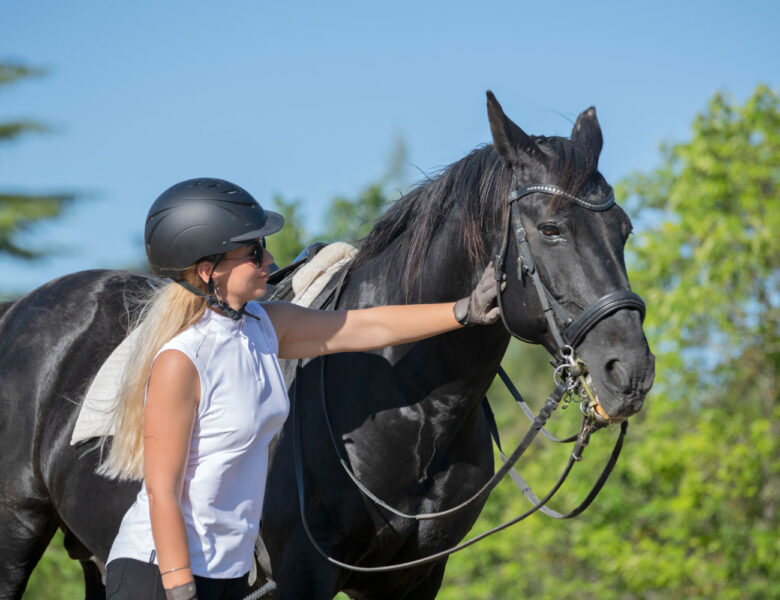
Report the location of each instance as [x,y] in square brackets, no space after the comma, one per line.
[93,567]
[26,528]
[93,581]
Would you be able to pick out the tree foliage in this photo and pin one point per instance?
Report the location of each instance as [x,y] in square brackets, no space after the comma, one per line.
[351,220]
[287,243]
[20,211]
[709,257]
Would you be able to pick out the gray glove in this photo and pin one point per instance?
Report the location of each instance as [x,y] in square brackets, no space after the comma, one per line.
[186,591]
[480,308]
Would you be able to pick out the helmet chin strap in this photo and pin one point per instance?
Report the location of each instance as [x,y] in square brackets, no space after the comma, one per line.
[213,299]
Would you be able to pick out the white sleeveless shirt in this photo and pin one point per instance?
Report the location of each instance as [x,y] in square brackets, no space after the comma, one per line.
[243,403]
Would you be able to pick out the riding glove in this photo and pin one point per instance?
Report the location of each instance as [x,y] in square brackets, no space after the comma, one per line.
[186,591]
[480,308]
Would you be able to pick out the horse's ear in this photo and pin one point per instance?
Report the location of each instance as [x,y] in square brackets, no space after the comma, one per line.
[513,144]
[588,131]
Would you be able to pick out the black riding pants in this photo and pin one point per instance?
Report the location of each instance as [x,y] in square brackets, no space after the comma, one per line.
[128,579]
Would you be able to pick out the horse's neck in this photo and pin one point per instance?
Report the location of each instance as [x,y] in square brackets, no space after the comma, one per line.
[465,360]
[445,274]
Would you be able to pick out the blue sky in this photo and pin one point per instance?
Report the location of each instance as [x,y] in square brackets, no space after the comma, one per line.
[306,99]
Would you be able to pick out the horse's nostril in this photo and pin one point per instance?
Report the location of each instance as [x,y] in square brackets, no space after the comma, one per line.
[617,375]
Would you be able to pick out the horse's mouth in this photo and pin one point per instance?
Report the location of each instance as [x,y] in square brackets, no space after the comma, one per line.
[600,414]
[597,410]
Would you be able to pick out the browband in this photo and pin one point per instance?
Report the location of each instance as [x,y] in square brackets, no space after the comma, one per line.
[544,188]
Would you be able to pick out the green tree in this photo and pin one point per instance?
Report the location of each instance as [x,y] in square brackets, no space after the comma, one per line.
[709,266]
[19,211]
[349,220]
[692,508]
[289,242]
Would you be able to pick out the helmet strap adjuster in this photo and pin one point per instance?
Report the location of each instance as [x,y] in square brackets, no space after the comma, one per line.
[212,298]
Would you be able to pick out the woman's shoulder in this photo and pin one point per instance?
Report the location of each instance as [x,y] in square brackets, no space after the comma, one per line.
[173,362]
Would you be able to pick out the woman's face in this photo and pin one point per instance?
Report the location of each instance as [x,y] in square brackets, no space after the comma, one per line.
[238,279]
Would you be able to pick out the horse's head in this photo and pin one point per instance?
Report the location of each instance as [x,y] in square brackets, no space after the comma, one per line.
[563,224]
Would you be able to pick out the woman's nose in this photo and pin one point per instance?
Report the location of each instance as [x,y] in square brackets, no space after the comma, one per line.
[268,258]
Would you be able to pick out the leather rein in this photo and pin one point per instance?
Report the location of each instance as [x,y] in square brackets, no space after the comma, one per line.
[572,383]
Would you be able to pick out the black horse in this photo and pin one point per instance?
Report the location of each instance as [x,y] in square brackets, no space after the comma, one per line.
[407,418]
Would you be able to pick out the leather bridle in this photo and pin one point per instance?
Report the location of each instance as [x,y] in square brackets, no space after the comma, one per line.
[567,332]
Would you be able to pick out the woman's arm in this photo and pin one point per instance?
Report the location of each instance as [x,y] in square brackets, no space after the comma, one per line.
[169,416]
[304,332]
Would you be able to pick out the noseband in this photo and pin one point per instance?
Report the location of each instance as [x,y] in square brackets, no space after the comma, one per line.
[567,332]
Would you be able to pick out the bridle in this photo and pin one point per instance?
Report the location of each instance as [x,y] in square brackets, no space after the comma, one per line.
[570,376]
[571,332]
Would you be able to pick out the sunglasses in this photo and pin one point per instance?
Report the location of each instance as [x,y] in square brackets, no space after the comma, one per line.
[256,256]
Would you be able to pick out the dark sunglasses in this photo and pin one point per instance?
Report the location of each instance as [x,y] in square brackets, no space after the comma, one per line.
[256,256]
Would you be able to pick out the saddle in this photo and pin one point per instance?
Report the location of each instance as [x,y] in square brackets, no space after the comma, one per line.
[304,279]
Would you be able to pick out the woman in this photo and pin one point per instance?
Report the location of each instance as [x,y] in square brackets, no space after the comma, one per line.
[204,394]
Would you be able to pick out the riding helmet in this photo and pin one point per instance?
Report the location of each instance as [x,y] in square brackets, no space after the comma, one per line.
[202,217]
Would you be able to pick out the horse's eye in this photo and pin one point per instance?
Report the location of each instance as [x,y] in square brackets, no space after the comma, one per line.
[549,230]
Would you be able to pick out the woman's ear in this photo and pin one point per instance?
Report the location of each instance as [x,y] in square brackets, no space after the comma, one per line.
[204,268]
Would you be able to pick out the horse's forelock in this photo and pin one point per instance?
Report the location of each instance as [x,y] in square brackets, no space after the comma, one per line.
[574,162]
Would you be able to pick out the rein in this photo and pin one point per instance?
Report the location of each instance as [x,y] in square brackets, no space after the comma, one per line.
[544,414]
[570,375]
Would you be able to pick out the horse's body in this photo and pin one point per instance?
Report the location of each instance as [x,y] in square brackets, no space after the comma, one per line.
[408,418]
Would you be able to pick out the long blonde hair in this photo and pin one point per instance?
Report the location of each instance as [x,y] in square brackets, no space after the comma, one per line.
[168,311]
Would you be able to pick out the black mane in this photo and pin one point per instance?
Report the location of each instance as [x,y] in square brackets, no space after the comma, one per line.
[476,187]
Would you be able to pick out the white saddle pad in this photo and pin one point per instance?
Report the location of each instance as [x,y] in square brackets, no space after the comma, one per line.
[94,418]
[312,277]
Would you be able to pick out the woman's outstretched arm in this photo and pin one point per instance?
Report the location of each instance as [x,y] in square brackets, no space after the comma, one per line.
[305,332]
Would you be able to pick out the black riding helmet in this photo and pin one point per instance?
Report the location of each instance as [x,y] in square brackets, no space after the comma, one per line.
[202,217]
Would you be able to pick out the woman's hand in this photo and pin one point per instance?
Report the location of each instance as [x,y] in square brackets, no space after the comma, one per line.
[182,592]
[480,308]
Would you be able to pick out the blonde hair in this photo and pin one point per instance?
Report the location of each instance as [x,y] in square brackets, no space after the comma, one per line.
[167,312]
